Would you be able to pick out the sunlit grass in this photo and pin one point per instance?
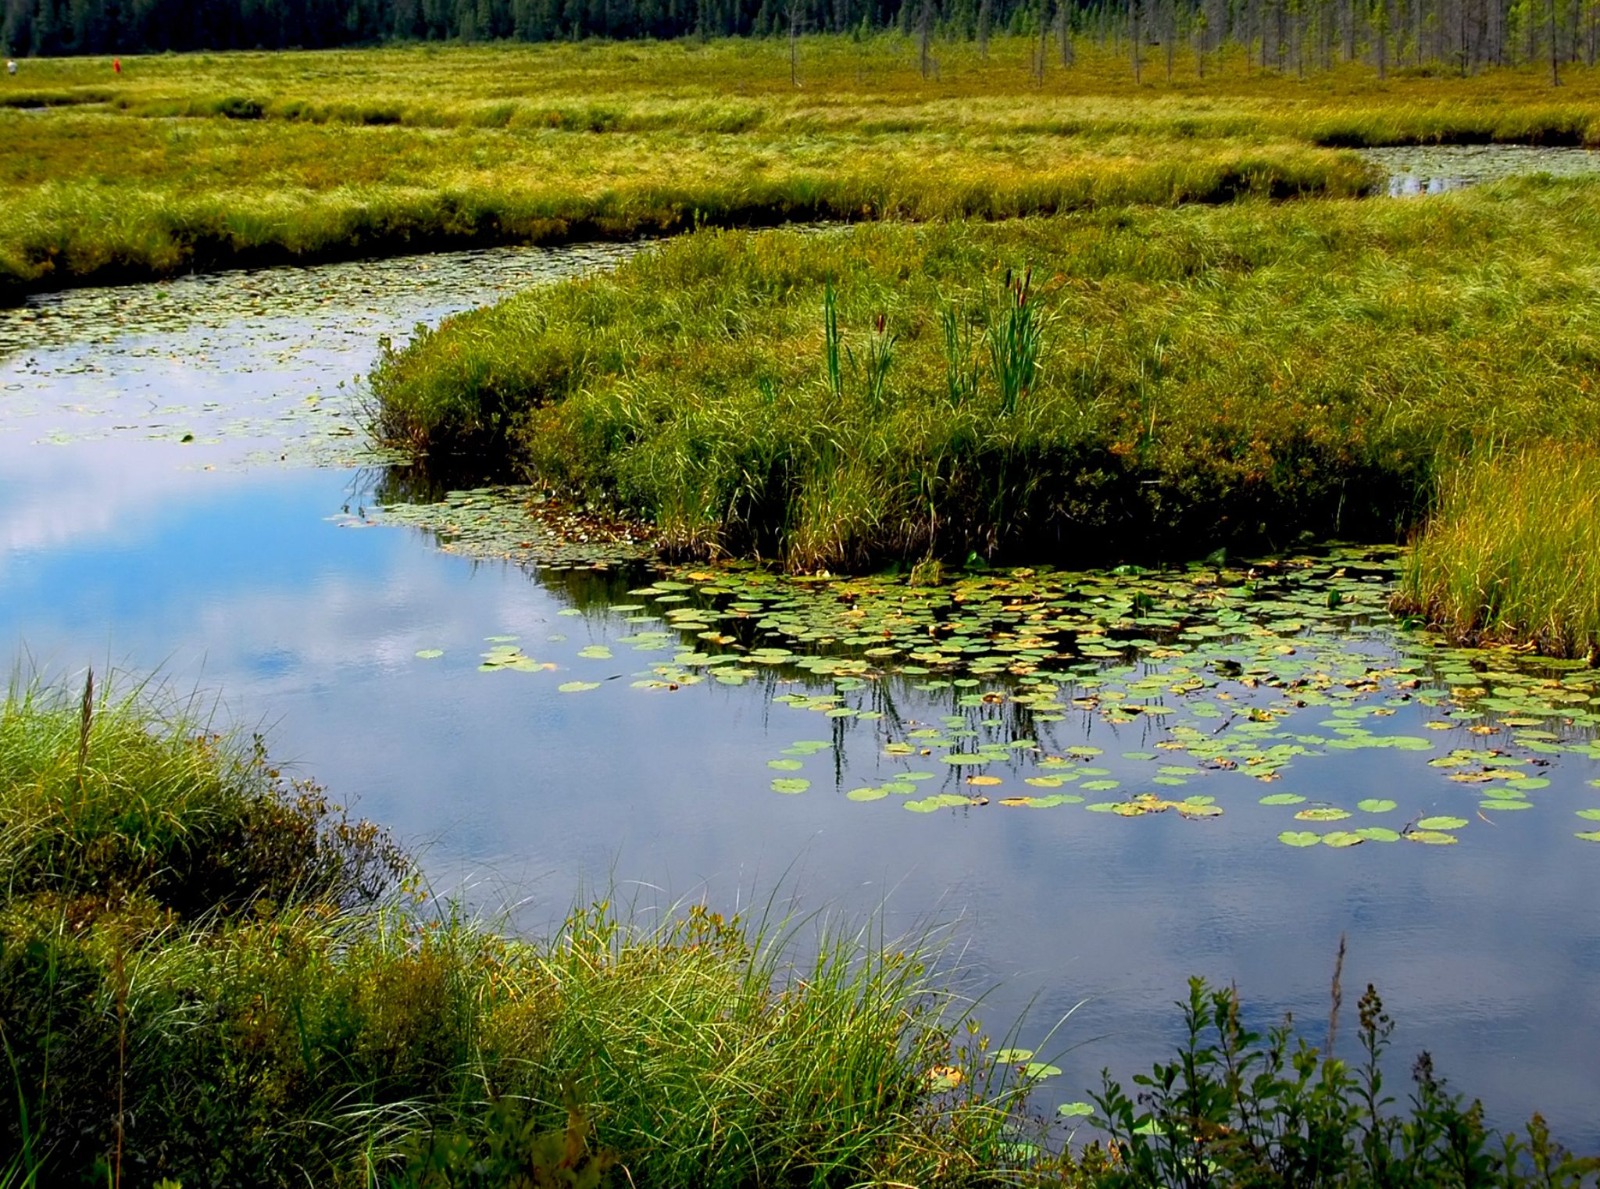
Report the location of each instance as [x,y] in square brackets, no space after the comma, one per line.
[209,160]
[1511,552]
[1234,375]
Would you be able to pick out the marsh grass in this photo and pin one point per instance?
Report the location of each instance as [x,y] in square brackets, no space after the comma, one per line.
[211,976]
[217,160]
[1173,379]
[1511,551]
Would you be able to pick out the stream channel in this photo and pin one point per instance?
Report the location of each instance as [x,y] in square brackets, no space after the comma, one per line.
[184,490]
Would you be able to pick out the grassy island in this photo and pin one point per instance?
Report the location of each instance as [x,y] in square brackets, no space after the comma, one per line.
[1109,385]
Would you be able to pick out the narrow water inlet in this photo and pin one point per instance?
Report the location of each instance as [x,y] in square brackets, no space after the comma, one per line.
[1418,170]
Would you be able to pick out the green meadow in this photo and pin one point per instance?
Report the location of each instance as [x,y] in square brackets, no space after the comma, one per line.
[206,161]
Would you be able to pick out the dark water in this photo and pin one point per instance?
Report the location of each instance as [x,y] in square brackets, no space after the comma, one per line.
[229,564]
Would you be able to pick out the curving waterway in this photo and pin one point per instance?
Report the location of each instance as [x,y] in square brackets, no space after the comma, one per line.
[184,488]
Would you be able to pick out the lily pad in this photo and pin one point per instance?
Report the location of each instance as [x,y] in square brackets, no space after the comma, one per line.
[1441,823]
[785,765]
[1282,799]
[1342,838]
[1376,805]
[1322,813]
[867,794]
[429,654]
[790,784]
[1299,838]
[1074,1110]
[1012,1056]
[1432,838]
[577,687]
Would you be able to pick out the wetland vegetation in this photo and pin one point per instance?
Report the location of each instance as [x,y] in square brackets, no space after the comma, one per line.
[1080,315]
[1112,385]
[200,162]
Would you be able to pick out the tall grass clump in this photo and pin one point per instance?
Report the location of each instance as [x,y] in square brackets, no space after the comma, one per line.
[211,975]
[1511,550]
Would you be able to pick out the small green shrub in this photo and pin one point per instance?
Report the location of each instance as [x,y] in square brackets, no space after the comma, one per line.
[1236,1107]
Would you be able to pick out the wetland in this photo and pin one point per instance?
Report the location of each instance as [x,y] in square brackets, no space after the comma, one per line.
[1107,778]
[1155,660]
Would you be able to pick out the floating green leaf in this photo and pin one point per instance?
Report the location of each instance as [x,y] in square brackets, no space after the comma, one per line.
[1342,838]
[1282,799]
[577,687]
[1431,838]
[1441,823]
[1376,805]
[429,654]
[1322,813]
[1299,838]
[867,794]
[939,801]
[785,765]
[790,784]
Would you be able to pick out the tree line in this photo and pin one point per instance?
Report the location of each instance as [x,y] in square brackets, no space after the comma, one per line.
[1286,35]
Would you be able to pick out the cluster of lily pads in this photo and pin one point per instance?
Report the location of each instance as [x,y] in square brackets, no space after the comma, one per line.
[507,523]
[1211,673]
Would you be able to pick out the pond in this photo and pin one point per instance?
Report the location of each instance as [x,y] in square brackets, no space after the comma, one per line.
[1414,170]
[1099,784]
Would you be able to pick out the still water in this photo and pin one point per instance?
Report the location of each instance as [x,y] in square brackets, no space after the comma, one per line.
[183,488]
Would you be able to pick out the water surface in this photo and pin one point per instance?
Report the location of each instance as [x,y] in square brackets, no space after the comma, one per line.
[182,488]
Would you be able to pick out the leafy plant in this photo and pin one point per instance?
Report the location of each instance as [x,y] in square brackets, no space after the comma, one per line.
[1239,1107]
[506,1148]
[1015,339]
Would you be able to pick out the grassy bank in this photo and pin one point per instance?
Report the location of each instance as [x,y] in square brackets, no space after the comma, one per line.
[1511,552]
[218,160]
[211,975]
[1166,380]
